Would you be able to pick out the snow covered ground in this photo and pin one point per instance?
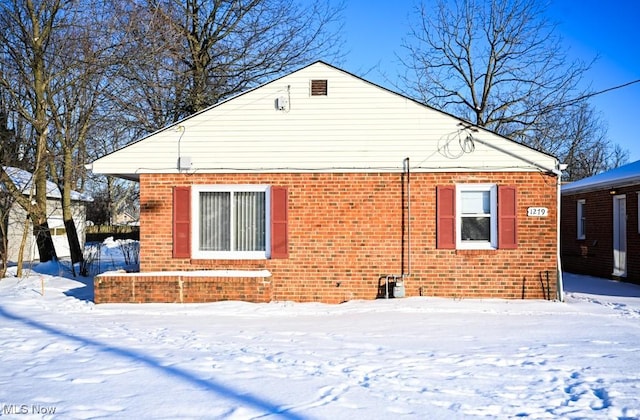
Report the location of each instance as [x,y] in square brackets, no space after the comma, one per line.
[61,356]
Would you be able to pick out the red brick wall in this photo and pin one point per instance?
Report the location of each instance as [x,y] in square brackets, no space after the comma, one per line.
[345,234]
[173,288]
[594,254]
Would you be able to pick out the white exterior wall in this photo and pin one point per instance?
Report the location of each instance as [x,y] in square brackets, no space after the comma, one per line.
[358,126]
[16,223]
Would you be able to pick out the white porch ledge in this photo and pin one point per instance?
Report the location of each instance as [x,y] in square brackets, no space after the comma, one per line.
[196,273]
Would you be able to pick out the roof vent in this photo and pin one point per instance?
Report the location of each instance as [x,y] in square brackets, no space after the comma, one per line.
[318,87]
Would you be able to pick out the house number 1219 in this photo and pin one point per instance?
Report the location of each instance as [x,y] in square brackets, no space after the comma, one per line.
[537,211]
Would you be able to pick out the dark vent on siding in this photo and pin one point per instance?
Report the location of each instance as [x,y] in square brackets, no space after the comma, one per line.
[318,88]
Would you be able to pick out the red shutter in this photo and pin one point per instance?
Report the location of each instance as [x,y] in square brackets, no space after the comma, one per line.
[446,217]
[279,220]
[507,218]
[181,222]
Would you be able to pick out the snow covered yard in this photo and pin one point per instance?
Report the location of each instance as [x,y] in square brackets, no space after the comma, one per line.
[64,357]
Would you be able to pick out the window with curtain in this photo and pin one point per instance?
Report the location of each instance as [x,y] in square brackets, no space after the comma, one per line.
[232,221]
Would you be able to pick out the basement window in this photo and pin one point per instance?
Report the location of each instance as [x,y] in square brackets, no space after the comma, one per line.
[319,87]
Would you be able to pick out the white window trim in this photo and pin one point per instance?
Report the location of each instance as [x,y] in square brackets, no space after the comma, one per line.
[580,227]
[228,255]
[493,194]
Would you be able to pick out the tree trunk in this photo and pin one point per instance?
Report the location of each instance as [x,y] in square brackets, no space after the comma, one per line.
[38,211]
[23,244]
[4,245]
[42,234]
[74,241]
[67,212]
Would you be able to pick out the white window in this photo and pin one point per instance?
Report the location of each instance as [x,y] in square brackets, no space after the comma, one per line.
[476,216]
[581,219]
[230,221]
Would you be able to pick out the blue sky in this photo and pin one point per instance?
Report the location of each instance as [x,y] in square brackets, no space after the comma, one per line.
[374,30]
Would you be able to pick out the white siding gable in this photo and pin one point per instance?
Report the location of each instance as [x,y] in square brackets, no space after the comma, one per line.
[357,126]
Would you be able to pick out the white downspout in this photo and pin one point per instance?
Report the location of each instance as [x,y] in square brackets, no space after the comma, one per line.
[560,283]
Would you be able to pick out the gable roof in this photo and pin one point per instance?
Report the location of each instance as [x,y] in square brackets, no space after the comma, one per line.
[352,126]
[23,181]
[622,176]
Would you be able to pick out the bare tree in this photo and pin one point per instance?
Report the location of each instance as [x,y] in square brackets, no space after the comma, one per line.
[499,65]
[578,136]
[14,152]
[25,35]
[180,56]
[14,148]
[8,153]
[190,54]
[5,206]
[86,53]
[59,59]
[495,63]
[110,194]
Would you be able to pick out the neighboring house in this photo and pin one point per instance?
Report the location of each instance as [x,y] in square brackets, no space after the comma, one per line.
[127,217]
[321,186]
[601,226]
[14,219]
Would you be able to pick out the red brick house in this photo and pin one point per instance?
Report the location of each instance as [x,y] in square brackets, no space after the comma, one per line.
[321,186]
[600,224]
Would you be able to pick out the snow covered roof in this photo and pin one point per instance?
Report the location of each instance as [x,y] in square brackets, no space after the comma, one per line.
[23,180]
[615,178]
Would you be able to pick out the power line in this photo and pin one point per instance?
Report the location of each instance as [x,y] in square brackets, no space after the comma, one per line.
[551,107]
[592,94]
